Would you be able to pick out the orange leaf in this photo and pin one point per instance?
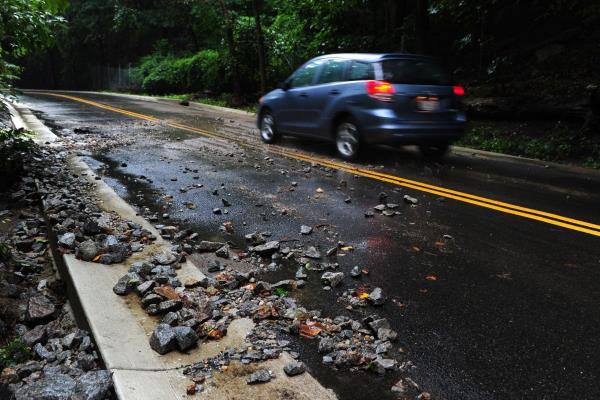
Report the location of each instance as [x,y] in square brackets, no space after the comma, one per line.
[167,291]
[310,329]
[440,244]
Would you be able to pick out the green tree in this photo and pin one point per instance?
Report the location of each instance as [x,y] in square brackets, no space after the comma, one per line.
[26,25]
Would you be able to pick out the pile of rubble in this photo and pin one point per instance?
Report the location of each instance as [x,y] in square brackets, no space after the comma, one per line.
[43,354]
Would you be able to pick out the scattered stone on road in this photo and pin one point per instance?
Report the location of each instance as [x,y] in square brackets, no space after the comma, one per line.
[294,368]
[260,376]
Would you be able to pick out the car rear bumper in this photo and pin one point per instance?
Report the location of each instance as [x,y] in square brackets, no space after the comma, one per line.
[414,133]
[382,126]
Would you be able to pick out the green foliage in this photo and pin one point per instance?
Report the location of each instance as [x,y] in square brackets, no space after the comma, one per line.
[280,292]
[559,145]
[26,25]
[13,353]
[161,74]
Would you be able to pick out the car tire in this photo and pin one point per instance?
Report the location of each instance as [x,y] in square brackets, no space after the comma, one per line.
[268,131]
[435,151]
[347,139]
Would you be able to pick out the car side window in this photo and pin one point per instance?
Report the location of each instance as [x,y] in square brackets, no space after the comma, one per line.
[360,71]
[333,71]
[305,75]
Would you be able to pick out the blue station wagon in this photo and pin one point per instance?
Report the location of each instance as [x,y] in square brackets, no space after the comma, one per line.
[355,100]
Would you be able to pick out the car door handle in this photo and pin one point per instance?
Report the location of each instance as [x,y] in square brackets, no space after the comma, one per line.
[334,92]
[303,94]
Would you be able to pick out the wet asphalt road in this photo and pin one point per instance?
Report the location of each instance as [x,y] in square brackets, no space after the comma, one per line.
[515,310]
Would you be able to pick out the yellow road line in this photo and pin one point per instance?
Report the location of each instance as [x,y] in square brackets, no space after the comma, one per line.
[538,215]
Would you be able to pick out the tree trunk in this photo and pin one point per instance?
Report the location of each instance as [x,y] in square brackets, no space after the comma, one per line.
[260,46]
[422,27]
[235,74]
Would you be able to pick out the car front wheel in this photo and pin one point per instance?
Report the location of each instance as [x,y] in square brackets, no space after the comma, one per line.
[268,132]
[347,140]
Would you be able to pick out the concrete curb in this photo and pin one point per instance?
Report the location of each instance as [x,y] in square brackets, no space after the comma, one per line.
[121,328]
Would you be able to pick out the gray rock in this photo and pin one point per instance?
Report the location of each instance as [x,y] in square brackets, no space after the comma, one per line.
[67,240]
[378,324]
[386,334]
[169,305]
[170,318]
[294,368]
[380,365]
[163,339]
[143,288]
[43,353]
[326,345]
[266,249]
[186,337]
[305,230]
[376,297]
[87,250]
[255,238]
[222,252]
[260,376]
[355,272]
[48,387]
[165,257]
[369,214]
[214,266]
[332,279]
[331,252]
[206,246]
[39,307]
[312,252]
[300,274]
[410,200]
[93,385]
[151,298]
[35,335]
[127,283]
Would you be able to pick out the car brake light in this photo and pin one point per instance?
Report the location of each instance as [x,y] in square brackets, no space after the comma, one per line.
[458,90]
[380,90]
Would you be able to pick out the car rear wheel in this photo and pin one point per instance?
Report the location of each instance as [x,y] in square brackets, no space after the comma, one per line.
[434,151]
[347,140]
[268,132]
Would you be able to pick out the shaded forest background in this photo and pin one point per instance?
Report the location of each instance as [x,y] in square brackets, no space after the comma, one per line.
[535,48]
[531,67]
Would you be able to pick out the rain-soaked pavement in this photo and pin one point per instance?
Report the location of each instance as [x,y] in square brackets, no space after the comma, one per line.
[487,305]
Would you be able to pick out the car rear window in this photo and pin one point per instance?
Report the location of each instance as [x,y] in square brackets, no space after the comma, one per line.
[415,72]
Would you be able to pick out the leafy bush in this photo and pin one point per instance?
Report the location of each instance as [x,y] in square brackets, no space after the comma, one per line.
[558,145]
[13,353]
[160,74]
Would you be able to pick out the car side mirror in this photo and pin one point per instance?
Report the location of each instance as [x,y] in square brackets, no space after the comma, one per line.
[285,85]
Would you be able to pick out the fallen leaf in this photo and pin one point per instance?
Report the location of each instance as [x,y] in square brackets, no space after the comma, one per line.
[96,258]
[431,278]
[215,334]
[250,286]
[417,249]
[310,329]
[319,190]
[440,244]
[347,248]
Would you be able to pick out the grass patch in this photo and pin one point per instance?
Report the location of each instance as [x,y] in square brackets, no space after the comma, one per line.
[15,352]
[559,144]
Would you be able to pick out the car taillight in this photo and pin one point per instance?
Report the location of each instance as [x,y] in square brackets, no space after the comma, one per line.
[458,90]
[380,90]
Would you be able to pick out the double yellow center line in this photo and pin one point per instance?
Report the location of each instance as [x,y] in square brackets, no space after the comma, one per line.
[508,208]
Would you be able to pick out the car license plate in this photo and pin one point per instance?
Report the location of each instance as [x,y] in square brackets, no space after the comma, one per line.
[428,104]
